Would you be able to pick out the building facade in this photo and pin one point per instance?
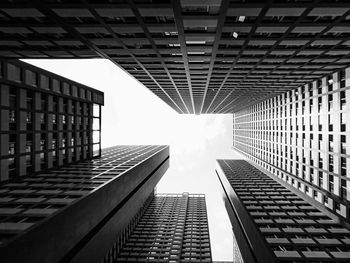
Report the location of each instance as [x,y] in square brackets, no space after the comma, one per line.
[198,56]
[171,228]
[302,137]
[46,120]
[77,212]
[271,223]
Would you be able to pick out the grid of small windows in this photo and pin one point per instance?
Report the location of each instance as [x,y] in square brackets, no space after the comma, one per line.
[173,228]
[302,137]
[46,120]
[293,229]
[27,202]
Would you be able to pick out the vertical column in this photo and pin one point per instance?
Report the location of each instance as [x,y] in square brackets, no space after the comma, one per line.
[175,251]
[37,129]
[22,124]
[4,131]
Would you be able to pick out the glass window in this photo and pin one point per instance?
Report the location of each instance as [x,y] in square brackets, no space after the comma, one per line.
[96,149]
[320,160]
[342,100]
[330,82]
[43,102]
[42,145]
[96,110]
[28,117]
[73,107]
[54,144]
[319,103]
[56,85]
[96,124]
[343,144]
[28,145]
[330,124]
[325,200]
[78,108]
[12,144]
[55,104]
[44,82]
[330,102]
[343,165]
[13,98]
[12,166]
[96,136]
[330,142]
[331,162]
[320,179]
[342,78]
[31,78]
[14,73]
[311,90]
[12,116]
[342,122]
[319,86]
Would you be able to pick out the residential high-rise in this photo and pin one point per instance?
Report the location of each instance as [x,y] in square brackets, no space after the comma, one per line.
[302,137]
[77,212]
[272,223]
[170,228]
[46,120]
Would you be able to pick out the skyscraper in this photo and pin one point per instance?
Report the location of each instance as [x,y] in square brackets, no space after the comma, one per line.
[46,120]
[281,67]
[198,56]
[171,228]
[302,138]
[271,223]
[60,200]
[77,212]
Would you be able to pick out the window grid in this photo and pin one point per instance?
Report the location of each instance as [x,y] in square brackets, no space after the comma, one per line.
[31,200]
[46,120]
[172,228]
[302,137]
[294,230]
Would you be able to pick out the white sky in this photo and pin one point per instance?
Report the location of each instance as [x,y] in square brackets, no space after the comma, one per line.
[134,115]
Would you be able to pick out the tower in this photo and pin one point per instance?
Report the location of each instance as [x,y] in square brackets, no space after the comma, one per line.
[46,120]
[172,228]
[271,223]
[77,212]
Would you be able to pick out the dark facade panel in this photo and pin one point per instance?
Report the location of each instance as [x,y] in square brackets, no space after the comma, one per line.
[273,224]
[65,214]
[46,120]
